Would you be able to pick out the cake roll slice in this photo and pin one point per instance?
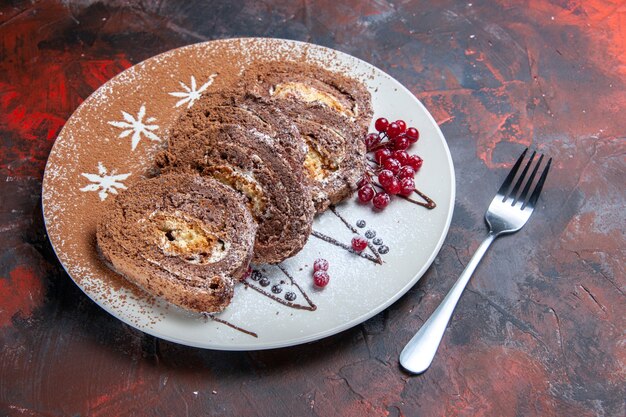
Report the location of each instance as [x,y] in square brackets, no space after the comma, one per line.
[247,161]
[332,113]
[235,107]
[335,159]
[180,236]
[312,85]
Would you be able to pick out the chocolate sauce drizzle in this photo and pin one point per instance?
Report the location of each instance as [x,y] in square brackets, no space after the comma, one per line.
[429,204]
[310,307]
[335,242]
[371,247]
[229,324]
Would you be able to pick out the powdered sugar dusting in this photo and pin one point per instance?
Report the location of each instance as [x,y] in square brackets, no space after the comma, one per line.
[191,93]
[104,182]
[137,126]
[267,139]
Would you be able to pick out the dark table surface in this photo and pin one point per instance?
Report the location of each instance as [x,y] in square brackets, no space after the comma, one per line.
[540,329]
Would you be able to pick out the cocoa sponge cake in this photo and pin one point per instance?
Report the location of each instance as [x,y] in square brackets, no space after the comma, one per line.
[246,160]
[180,236]
[311,84]
[332,113]
[235,107]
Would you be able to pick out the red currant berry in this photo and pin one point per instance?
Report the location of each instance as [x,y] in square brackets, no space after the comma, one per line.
[366,194]
[381,200]
[393,130]
[393,187]
[400,156]
[415,162]
[372,140]
[381,124]
[359,243]
[385,177]
[401,143]
[392,165]
[321,278]
[406,186]
[412,134]
[406,171]
[402,125]
[320,264]
[381,155]
[365,180]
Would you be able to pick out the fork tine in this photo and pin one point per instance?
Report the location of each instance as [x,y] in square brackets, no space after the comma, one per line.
[526,189]
[509,178]
[535,195]
[518,184]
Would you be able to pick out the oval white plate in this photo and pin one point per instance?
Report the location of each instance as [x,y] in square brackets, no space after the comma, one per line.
[110,141]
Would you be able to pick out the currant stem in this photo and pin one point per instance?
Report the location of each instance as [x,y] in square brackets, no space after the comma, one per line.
[377,147]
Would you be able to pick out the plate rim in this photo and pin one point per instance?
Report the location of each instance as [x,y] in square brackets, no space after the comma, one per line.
[299,340]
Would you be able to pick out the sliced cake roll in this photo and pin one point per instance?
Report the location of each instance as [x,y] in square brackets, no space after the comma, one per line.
[335,159]
[247,161]
[332,113]
[235,107]
[312,85]
[180,236]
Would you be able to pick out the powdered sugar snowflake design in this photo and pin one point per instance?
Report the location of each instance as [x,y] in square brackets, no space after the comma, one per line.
[104,182]
[137,126]
[190,95]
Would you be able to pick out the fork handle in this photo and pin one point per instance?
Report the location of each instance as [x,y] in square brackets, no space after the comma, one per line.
[418,354]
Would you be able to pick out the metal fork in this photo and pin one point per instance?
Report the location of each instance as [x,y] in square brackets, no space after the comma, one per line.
[507,213]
